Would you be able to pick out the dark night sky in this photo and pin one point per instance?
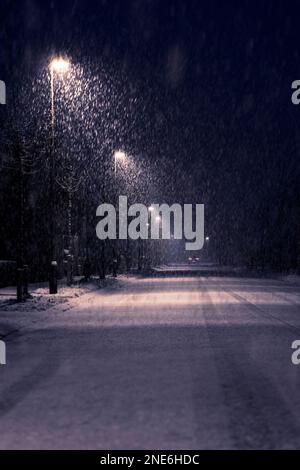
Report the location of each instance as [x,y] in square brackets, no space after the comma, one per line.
[218,47]
[204,68]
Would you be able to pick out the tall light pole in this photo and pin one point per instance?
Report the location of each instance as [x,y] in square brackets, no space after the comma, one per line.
[59,66]
[119,155]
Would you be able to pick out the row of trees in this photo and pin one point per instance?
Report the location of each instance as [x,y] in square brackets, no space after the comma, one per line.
[85,140]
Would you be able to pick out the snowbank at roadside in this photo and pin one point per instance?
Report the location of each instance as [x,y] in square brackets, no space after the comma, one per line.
[41,300]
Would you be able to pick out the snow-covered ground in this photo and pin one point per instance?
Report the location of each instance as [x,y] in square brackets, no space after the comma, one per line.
[173,362]
[40,301]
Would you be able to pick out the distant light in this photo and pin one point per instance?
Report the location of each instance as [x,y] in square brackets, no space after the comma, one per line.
[119,155]
[59,65]
[207,239]
[157,218]
[150,208]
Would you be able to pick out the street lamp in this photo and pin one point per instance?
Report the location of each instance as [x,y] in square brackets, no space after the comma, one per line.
[59,66]
[118,155]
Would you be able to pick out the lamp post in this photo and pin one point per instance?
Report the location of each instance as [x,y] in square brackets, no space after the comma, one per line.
[59,66]
[119,155]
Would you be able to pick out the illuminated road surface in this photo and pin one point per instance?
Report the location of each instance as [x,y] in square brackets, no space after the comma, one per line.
[180,363]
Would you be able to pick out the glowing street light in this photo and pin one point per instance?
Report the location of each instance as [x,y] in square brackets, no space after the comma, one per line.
[59,66]
[207,239]
[119,155]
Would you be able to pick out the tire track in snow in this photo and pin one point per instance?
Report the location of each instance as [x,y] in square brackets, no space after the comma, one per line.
[259,417]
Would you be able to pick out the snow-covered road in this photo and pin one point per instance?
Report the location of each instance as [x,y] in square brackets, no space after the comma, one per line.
[170,362]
